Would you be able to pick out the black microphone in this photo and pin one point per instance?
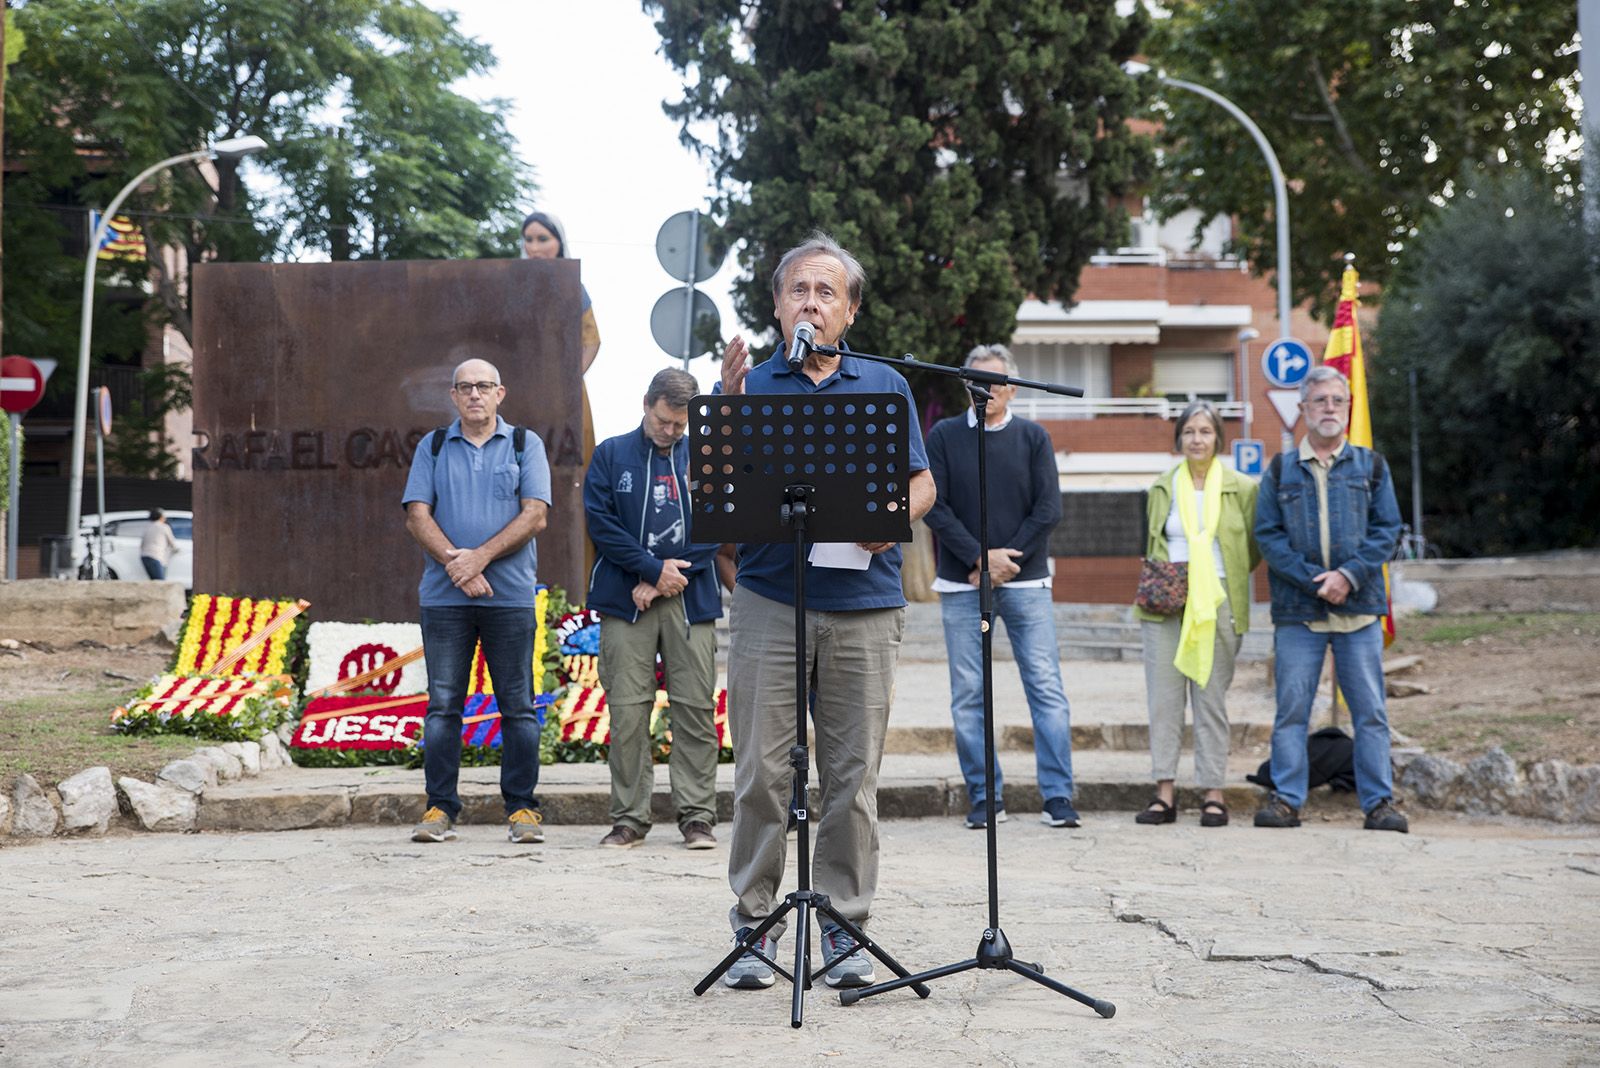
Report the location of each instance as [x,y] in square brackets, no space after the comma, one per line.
[800,344]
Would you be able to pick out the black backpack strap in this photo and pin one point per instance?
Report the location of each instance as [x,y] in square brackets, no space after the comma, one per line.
[519,439]
[438,441]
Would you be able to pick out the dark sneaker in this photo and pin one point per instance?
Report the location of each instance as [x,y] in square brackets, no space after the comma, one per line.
[525,826]
[1058,812]
[1385,817]
[435,827]
[697,835]
[622,837]
[750,972]
[853,970]
[1277,813]
[978,818]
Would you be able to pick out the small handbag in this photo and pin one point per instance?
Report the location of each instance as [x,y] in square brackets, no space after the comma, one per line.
[1163,586]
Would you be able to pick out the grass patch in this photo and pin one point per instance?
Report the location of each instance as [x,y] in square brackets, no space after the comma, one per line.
[54,736]
[1453,630]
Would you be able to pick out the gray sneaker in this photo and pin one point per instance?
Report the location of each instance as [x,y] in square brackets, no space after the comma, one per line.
[435,827]
[854,970]
[750,972]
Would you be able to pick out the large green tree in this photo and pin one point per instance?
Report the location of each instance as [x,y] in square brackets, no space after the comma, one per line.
[1496,306]
[968,153]
[373,154]
[1375,109]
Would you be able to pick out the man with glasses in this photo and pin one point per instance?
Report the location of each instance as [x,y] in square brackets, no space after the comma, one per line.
[478,493]
[1326,521]
[656,593]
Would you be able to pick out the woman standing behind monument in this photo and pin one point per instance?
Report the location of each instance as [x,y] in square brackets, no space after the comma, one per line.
[544,238]
[1200,513]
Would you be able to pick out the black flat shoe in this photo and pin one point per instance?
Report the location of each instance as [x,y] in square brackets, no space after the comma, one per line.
[1158,812]
[1213,814]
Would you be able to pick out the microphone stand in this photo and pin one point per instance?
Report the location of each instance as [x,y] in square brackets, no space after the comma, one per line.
[994,949]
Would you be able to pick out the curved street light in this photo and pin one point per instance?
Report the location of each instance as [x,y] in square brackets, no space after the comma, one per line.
[230,148]
[1280,189]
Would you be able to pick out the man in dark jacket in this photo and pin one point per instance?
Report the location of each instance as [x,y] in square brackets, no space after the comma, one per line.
[1024,507]
[1326,521]
[656,592]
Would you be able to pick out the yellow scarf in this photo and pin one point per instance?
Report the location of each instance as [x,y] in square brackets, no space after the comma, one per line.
[1198,638]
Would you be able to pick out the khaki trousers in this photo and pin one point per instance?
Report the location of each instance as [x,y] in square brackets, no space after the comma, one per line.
[851,663]
[1167,690]
[628,673]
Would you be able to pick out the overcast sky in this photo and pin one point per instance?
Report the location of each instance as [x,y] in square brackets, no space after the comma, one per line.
[586,87]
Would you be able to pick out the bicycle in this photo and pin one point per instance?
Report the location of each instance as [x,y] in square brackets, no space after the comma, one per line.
[1413,546]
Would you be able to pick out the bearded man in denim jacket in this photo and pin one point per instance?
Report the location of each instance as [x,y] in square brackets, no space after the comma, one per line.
[1327,521]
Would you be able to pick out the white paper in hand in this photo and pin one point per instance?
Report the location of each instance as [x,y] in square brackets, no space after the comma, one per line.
[841,554]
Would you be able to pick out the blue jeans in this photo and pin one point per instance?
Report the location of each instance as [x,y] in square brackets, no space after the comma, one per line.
[1031,626]
[1358,664]
[449,633]
[154,568]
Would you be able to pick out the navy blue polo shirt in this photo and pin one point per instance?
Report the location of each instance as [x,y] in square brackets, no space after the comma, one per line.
[769,569]
[475,491]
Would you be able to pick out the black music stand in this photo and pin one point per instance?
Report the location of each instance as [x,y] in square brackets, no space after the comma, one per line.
[795,468]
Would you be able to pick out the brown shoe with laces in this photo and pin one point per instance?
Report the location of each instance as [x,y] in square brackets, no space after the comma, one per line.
[697,835]
[622,837]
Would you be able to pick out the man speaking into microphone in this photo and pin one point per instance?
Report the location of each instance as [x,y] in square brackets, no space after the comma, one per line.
[855,614]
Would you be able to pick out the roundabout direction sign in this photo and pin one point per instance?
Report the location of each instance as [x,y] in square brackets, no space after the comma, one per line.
[1286,362]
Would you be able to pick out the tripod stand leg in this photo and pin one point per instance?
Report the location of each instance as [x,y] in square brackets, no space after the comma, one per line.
[1104,1008]
[859,936]
[741,948]
[801,982]
[850,997]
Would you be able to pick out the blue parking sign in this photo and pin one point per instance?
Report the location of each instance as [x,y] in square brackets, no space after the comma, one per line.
[1248,457]
[1286,362]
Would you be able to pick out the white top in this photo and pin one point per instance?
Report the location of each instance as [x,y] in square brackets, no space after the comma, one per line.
[1178,544]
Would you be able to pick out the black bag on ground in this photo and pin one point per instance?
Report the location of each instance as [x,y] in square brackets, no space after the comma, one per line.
[1331,754]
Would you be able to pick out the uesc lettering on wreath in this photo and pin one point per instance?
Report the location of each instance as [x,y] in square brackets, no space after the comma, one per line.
[363,448]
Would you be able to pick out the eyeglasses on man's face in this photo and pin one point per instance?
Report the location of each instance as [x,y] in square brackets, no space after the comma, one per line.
[467,389]
[1332,403]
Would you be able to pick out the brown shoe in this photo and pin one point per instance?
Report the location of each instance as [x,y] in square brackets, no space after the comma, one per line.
[622,837]
[697,835]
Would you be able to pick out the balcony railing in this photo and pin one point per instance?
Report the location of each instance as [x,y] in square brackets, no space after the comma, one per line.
[1037,407]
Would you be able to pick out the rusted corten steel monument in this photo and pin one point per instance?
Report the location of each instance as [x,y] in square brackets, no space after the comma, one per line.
[313,384]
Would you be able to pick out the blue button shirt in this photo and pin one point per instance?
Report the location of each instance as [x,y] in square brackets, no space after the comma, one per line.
[769,569]
[475,491]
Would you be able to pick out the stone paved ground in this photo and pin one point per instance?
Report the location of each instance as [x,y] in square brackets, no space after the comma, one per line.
[1463,943]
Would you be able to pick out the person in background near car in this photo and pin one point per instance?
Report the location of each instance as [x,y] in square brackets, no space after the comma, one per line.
[1202,513]
[1327,521]
[1024,506]
[656,593]
[157,546]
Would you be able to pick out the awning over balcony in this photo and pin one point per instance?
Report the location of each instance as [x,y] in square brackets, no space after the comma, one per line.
[1118,322]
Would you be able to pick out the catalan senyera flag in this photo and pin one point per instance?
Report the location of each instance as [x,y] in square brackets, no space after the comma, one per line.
[1344,354]
[123,240]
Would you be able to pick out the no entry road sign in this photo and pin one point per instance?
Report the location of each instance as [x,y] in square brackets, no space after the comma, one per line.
[21,384]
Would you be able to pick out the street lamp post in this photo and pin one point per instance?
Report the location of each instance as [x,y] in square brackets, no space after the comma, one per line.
[1280,188]
[1246,335]
[232,147]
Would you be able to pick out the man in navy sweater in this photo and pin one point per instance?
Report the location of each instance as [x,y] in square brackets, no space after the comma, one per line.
[1024,506]
[656,592]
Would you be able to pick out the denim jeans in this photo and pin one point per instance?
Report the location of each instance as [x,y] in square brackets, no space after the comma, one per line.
[1031,627]
[449,633]
[154,568]
[1358,663]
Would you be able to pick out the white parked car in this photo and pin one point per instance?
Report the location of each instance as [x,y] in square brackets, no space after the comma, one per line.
[124,531]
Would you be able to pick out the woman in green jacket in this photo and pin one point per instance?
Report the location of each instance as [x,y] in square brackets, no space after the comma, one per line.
[1202,513]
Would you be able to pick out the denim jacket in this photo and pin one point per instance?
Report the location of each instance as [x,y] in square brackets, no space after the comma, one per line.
[1363,525]
[616,525]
